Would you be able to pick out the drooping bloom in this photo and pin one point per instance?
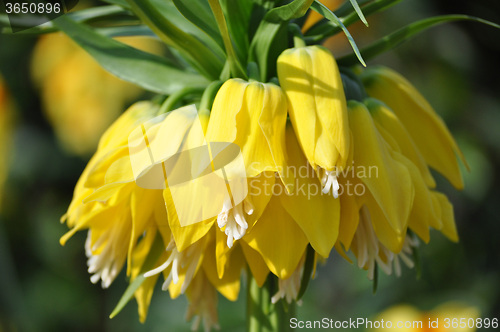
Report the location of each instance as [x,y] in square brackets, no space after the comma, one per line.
[251,115]
[294,219]
[129,223]
[317,105]
[396,198]
[426,128]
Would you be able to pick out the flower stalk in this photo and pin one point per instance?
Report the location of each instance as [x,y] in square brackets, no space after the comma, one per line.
[262,314]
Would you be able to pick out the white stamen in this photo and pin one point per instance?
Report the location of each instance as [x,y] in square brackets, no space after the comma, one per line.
[370,251]
[106,264]
[330,182]
[234,220]
[186,261]
[289,288]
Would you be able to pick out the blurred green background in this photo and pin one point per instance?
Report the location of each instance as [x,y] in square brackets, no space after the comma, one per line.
[45,287]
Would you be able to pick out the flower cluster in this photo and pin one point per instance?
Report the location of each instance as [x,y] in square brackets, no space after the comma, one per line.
[390,127]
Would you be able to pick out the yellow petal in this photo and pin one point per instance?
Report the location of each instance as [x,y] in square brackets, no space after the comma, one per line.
[391,186]
[311,80]
[422,212]
[278,239]
[447,217]
[385,118]
[229,285]
[184,236]
[349,216]
[252,116]
[426,128]
[257,265]
[391,239]
[316,213]
[142,211]
[144,293]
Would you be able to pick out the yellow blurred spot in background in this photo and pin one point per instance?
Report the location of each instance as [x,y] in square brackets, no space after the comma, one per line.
[446,317]
[80,99]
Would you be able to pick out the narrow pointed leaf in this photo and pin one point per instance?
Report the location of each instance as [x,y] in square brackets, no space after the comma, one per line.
[406,33]
[327,13]
[358,10]
[324,28]
[157,15]
[198,12]
[271,32]
[149,71]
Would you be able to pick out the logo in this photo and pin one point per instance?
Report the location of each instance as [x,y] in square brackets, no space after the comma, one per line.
[170,152]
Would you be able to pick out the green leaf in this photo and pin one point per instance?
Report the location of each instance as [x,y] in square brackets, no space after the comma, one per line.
[375,279]
[272,30]
[115,14]
[347,8]
[359,11]
[234,63]
[238,15]
[199,13]
[126,31]
[406,33]
[156,15]
[122,3]
[308,268]
[149,71]
[327,13]
[324,28]
[156,250]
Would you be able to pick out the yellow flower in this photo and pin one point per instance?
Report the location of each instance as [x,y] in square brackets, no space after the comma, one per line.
[394,193]
[107,202]
[80,99]
[125,220]
[293,219]
[317,106]
[251,115]
[6,119]
[427,129]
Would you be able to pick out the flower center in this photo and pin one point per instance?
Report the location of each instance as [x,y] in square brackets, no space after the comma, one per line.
[106,257]
[233,220]
[289,288]
[370,251]
[329,182]
[187,260]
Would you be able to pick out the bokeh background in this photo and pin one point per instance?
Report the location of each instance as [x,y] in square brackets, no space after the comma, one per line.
[60,102]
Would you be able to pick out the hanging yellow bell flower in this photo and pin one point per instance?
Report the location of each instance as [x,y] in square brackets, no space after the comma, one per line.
[317,105]
[395,194]
[427,129]
[251,115]
[107,202]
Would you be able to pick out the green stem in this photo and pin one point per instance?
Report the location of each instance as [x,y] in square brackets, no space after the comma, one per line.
[262,315]
[235,65]
[195,52]
[209,94]
[298,37]
[176,97]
